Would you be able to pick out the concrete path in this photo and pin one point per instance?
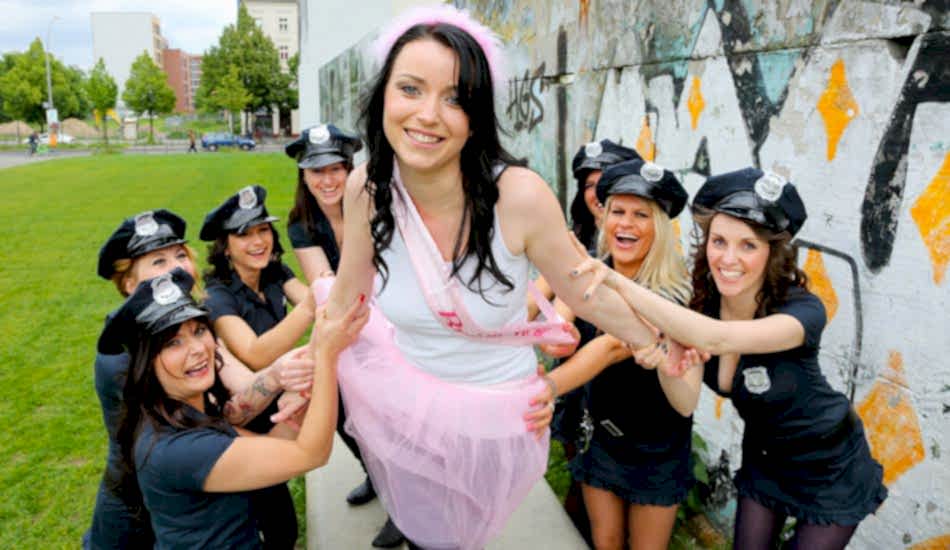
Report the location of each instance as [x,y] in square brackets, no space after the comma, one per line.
[540,522]
[9,159]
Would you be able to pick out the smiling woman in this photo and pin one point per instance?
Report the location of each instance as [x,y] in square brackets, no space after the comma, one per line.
[441,388]
[248,290]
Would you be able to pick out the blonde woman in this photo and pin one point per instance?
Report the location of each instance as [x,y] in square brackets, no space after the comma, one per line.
[633,473]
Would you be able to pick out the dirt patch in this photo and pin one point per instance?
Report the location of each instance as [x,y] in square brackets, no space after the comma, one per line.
[78,128]
[10,128]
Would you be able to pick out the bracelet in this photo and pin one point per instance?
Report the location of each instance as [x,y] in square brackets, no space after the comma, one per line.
[551,384]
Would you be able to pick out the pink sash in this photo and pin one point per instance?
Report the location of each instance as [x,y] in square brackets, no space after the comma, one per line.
[442,292]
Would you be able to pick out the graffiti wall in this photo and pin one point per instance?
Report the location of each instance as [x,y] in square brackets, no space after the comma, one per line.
[850,100]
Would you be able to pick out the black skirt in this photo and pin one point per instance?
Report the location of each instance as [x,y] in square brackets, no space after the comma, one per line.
[640,476]
[840,491]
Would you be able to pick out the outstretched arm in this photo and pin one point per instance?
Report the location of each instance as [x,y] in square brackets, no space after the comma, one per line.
[532,222]
[777,332]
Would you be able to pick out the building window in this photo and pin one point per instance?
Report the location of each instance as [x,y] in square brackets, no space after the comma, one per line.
[282,24]
[284,53]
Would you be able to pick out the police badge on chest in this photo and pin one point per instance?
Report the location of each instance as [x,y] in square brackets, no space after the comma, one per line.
[756,380]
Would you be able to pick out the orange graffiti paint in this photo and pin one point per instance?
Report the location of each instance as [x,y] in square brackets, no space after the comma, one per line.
[937,543]
[837,107]
[820,284]
[583,11]
[892,427]
[719,402]
[931,213]
[695,103]
[645,144]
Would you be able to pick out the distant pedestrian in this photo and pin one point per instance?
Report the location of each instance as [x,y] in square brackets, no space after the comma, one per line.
[191,142]
[34,142]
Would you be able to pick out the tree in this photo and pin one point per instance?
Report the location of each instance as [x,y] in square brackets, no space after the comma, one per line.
[147,91]
[230,95]
[245,46]
[23,86]
[102,92]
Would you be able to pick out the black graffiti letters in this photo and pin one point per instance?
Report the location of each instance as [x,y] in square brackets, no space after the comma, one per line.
[525,108]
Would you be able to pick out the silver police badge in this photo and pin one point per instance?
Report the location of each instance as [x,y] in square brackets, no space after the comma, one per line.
[145,224]
[319,135]
[593,149]
[247,198]
[769,186]
[164,290]
[651,172]
[756,380]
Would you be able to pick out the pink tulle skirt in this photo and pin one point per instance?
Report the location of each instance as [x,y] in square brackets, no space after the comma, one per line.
[450,462]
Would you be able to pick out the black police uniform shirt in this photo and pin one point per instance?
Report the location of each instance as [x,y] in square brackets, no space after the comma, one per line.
[172,465]
[804,451]
[236,298]
[323,236]
[114,524]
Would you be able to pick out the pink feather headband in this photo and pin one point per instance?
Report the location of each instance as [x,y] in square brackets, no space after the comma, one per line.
[450,15]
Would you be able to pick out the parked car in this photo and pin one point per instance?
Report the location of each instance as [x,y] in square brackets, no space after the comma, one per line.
[212,142]
[44,139]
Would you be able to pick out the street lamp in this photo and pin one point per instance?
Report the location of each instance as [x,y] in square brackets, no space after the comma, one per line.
[49,79]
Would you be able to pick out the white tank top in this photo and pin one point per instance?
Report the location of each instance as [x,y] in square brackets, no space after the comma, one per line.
[446,354]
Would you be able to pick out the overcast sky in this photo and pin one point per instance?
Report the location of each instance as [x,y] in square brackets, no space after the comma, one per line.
[191,25]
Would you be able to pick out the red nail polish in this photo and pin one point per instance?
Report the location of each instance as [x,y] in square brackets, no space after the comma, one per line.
[362,298]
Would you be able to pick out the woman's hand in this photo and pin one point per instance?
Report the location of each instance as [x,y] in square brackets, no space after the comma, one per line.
[295,370]
[600,271]
[691,357]
[539,416]
[292,407]
[332,336]
[558,351]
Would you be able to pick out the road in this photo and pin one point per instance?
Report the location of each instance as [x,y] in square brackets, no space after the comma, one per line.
[9,159]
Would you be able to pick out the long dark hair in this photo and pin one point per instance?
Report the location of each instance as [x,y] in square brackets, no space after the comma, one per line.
[305,207]
[144,401]
[781,270]
[481,152]
[582,221]
[219,266]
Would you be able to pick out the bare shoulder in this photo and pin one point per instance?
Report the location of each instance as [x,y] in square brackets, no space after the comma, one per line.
[356,179]
[521,190]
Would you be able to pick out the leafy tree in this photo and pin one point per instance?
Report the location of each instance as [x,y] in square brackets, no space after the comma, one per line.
[23,86]
[245,46]
[230,95]
[147,91]
[102,91]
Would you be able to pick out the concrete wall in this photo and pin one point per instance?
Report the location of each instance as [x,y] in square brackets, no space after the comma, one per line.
[851,101]
[329,27]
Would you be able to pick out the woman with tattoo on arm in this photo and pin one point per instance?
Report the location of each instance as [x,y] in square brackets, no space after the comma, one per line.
[144,246]
[248,290]
[199,477]
[804,452]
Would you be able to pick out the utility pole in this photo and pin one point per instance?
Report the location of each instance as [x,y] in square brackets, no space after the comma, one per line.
[50,108]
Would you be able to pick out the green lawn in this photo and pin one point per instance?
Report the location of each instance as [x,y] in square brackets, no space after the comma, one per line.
[56,215]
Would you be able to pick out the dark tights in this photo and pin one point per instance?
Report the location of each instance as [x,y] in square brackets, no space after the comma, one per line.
[757,527]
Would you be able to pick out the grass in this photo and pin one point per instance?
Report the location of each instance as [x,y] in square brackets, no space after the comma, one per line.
[56,216]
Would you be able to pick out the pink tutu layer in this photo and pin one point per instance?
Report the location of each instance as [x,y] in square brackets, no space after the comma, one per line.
[450,462]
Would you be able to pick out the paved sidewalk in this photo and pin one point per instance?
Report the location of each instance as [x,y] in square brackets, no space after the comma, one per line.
[9,159]
[540,522]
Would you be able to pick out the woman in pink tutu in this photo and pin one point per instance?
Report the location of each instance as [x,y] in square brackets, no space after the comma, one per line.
[445,224]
